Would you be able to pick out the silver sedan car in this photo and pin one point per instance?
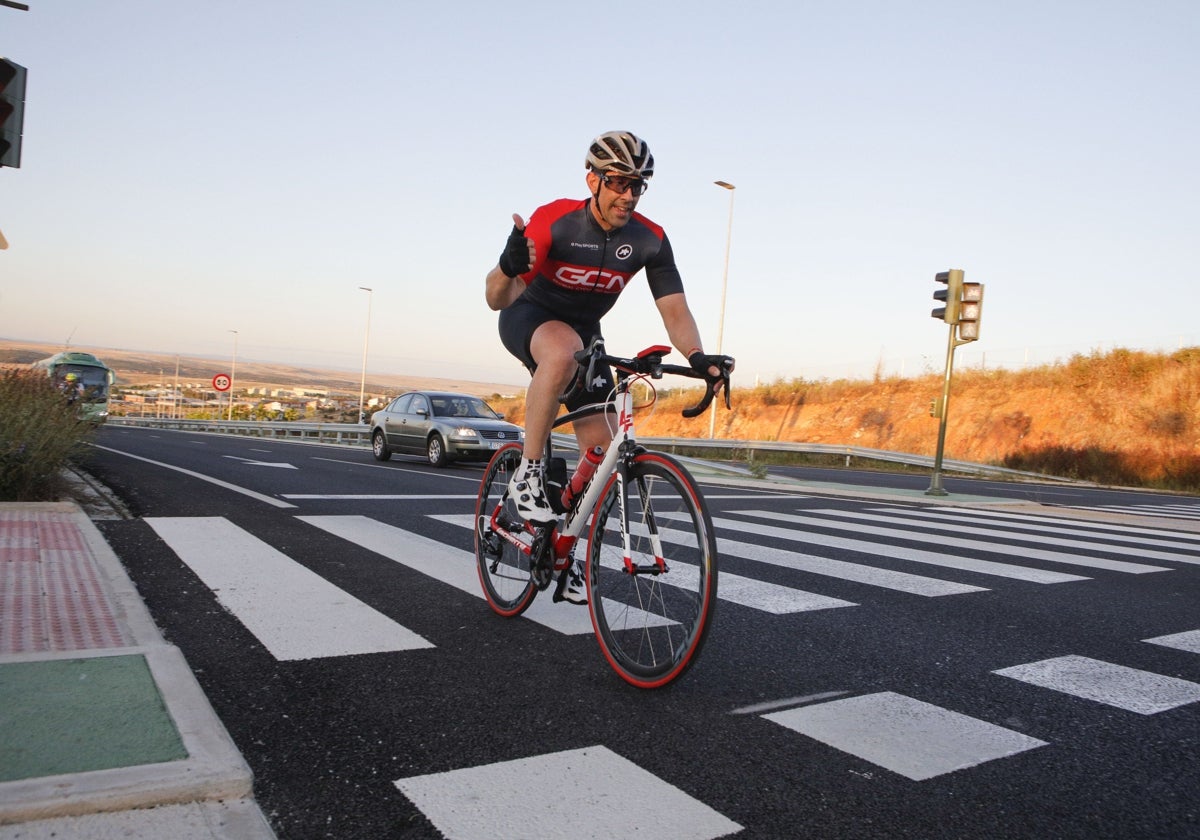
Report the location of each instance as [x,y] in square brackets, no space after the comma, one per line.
[442,426]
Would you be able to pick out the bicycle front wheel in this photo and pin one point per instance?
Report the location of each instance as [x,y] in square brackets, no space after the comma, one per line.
[652,608]
[503,567]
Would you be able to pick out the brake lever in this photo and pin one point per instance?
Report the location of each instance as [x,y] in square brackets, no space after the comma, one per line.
[710,391]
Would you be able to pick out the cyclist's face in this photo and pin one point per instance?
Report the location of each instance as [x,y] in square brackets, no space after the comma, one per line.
[612,209]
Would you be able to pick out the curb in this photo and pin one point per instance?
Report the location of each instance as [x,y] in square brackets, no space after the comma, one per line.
[213,775]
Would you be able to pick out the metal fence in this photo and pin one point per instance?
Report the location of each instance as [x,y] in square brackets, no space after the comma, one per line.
[354,435]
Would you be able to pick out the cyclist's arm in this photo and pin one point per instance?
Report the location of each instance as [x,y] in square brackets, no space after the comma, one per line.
[501,289]
[681,326]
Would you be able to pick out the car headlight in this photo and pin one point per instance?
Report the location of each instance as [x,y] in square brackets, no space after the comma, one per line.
[465,433]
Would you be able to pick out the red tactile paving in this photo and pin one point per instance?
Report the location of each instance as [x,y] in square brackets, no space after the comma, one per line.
[51,597]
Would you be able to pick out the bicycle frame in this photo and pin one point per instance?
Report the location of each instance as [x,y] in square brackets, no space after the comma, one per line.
[575,520]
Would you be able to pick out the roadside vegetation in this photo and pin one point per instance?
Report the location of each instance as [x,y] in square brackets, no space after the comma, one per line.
[1118,418]
[40,433]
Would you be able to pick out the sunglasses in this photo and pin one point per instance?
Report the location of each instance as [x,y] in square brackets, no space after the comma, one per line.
[620,183]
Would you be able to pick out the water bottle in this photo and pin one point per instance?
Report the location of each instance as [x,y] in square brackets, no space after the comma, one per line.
[583,473]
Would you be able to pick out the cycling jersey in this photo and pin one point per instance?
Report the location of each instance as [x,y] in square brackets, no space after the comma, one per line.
[581,267]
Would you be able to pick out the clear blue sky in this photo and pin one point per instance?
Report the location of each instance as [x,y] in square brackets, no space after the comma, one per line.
[192,168]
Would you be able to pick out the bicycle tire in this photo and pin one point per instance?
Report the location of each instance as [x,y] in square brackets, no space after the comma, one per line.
[504,570]
[651,627]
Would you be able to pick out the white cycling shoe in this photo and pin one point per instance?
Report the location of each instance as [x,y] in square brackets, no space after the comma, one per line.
[576,589]
[525,489]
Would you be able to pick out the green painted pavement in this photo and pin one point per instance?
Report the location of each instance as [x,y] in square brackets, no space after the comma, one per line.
[75,715]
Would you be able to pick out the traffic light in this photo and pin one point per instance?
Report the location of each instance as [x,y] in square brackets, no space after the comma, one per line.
[951,295]
[970,311]
[12,111]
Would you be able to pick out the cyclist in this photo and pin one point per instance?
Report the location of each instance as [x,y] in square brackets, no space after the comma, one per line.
[554,281]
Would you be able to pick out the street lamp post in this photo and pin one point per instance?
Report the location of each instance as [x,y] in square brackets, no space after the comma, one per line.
[232,375]
[712,418]
[362,385]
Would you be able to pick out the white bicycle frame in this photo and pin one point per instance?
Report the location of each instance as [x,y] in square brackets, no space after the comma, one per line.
[576,520]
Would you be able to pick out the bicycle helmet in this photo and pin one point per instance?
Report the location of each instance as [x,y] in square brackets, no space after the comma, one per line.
[621,152]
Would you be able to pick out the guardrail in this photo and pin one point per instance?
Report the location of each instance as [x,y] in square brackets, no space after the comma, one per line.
[351,434]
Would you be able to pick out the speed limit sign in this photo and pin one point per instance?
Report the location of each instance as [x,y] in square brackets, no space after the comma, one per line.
[222,382]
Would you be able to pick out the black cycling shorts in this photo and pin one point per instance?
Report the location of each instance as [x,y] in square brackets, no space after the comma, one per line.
[519,321]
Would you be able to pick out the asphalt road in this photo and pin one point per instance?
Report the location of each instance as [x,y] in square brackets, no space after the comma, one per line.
[879,667]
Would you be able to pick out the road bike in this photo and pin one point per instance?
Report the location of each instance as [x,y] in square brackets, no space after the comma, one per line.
[641,521]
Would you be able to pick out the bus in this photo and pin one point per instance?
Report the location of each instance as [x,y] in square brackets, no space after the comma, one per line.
[84,378]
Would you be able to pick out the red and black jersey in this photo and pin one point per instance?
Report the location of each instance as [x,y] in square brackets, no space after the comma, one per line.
[581,267]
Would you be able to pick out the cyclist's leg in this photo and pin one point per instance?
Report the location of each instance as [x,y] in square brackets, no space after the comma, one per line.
[504,570]
[546,345]
[651,626]
[552,347]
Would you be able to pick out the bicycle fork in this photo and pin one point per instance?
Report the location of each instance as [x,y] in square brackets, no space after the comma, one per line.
[659,565]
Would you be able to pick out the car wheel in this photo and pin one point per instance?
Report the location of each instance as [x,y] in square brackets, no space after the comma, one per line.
[379,446]
[436,451]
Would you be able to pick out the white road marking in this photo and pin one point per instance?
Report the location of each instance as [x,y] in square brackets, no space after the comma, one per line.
[446,564]
[293,611]
[1126,688]
[755,594]
[857,572]
[586,794]
[907,736]
[250,463]
[949,541]
[1189,641]
[915,555]
[253,495]
[1085,543]
[376,497]
[1134,533]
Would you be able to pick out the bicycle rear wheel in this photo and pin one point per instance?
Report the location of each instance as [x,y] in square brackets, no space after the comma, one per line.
[652,611]
[503,567]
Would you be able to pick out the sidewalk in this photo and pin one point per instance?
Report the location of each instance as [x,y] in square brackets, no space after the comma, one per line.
[104,731]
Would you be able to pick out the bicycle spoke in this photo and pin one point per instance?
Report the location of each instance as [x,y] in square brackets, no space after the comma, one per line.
[504,569]
[653,608]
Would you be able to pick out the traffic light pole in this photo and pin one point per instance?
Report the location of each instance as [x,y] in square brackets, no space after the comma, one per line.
[935,486]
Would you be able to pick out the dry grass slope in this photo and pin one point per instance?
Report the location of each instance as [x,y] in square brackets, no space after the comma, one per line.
[1123,417]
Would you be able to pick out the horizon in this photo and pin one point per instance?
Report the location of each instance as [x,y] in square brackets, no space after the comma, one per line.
[220,366]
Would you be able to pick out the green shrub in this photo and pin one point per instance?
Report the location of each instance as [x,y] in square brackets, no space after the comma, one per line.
[39,431]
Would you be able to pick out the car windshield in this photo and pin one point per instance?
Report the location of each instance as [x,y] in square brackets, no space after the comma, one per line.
[469,407]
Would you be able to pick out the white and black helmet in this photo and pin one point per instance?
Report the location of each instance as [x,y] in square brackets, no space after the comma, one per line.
[620,151]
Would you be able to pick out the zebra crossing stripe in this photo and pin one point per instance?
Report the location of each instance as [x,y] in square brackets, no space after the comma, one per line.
[943,540]
[1189,641]
[962,525]
[589,792]
[291,610]
[1141,537]
[1143,692]
[1138,510]
[932,558]
[907,736]
[443,563]
[856,572]
[859,573]
[747,592]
